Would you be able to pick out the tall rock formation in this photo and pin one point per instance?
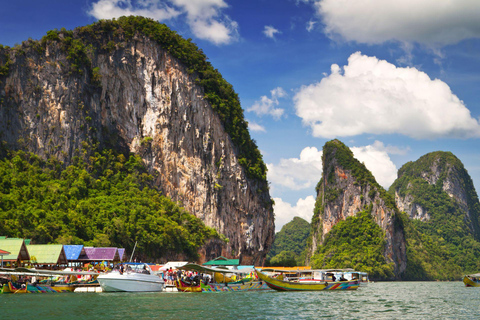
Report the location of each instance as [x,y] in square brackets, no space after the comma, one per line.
[421,184]
[438,196]
[134,85]
[347,188]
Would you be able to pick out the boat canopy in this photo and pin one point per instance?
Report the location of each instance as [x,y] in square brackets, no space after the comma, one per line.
[203,269]
[285,269]
[475,275]
[43,273]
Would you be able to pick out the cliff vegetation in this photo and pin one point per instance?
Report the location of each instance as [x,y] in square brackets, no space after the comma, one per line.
[356,242]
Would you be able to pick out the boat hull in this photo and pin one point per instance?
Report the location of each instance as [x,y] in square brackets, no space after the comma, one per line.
[281,285]
[185,287]
[130,283]
[222,287]
[226,287]
[470,283]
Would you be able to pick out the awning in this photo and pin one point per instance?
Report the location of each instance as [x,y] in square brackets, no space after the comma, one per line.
[41,272]
[203,269]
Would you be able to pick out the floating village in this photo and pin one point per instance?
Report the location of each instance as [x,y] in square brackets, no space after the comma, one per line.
[56,268]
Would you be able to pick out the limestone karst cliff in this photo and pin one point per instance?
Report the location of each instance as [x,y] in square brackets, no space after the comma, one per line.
[436,173]
[346,189]
[437,194]
[134,85]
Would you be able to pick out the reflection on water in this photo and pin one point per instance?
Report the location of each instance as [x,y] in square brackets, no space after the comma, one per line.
[380,300]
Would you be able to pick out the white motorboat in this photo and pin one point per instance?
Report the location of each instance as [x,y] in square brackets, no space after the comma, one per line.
[132,277]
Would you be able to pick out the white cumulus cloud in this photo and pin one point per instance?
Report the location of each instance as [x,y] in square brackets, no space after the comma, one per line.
[374,96]
[204,17]
[297,173]
[270,32]
[285,212]
[376,159]
[431,22]
[267,106]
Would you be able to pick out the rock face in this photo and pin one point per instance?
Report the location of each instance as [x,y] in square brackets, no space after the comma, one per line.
[436,171]
[347,188]
[139,99]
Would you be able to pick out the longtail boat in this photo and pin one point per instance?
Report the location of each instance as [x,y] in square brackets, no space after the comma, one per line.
[13,286]
[285,285]
[472,280]
[197,285]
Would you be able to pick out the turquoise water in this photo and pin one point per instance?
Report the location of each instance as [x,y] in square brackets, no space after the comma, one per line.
[380,300]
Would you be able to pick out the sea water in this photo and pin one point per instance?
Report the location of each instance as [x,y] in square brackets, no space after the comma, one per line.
[380,300]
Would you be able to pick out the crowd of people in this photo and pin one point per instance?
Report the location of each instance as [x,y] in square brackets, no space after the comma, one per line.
[172,275]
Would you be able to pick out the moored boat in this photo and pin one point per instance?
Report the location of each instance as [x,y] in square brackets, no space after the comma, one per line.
[45,286]
[198,284]
[135,277]
[472,280]
[281,284]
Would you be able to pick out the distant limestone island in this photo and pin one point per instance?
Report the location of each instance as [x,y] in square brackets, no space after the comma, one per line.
[425,227]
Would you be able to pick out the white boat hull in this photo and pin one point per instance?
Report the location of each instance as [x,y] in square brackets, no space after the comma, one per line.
[133,282]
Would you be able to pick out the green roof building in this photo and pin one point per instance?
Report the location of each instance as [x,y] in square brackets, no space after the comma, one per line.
[17,249]
[47,254]
[222,261]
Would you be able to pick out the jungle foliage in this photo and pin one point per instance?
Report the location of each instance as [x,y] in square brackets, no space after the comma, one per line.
[105,200]
[283,259]
[356,242]
[289,244]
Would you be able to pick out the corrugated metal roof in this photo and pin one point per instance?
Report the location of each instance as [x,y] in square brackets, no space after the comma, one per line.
[73,252]
[47,253]
[16,247]
[100,254]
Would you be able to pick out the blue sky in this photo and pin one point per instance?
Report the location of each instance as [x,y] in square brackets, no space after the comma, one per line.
[393,80]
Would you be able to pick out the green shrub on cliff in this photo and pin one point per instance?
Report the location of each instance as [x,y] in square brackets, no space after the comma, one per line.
[104,201]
